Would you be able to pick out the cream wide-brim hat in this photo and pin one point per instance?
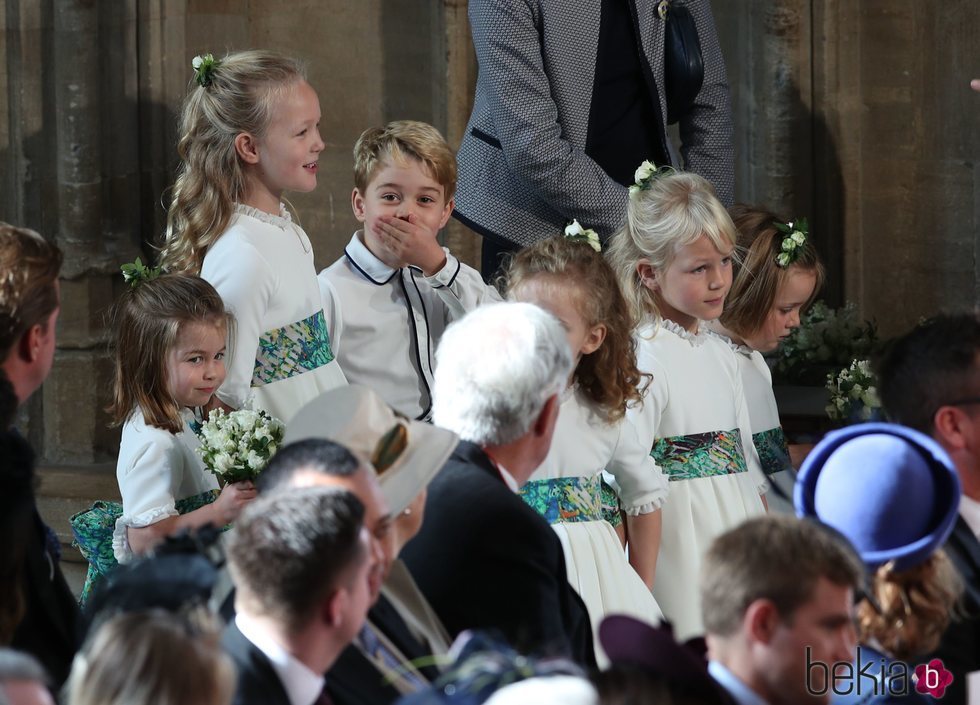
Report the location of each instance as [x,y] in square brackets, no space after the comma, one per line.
[406,454]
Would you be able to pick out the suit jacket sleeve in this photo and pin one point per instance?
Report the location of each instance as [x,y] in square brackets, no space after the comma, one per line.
[508,48]
[706,129]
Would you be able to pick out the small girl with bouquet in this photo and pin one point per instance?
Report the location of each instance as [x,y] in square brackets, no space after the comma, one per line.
[169,361]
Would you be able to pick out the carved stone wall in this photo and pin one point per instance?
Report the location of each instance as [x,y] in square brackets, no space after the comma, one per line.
[860,115]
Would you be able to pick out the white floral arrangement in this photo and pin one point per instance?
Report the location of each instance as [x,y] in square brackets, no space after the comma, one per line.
[576,233]
[642,176]
[794,237]
[237,446]
[827,339]
[853,393]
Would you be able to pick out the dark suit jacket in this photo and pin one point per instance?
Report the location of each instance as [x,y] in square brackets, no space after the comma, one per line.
[960,645]
[485,560]
[49,626]
[354,680]
[258,683]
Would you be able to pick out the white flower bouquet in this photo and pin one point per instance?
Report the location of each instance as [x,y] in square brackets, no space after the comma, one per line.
[827,339]
[236,446]
[853,393]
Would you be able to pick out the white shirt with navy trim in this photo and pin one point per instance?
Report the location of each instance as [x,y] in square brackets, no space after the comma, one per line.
[389,321]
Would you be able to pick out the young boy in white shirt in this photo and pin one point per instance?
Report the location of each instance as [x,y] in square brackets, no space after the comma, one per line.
[396,289]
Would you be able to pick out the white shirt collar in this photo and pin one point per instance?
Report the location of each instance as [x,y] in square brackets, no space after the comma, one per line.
[302,685]
[366,263]
[742,693]
[970,511]
[508,479]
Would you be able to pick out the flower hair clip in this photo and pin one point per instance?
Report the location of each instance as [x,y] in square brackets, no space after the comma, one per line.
[136,273]
[204,66]
[576,233]
[794,237]
[645,174]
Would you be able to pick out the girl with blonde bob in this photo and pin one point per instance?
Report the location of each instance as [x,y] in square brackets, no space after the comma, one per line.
[573,282]
[778,278]
[169,360]
[673,258]
[249,132]
[153,658]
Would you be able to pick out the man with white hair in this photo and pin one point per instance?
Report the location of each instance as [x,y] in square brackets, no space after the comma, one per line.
[483,558]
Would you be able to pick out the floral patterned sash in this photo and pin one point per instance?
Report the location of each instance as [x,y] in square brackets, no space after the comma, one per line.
[564,499]
[93,531]
[292,350]
[700,455]
[772,449]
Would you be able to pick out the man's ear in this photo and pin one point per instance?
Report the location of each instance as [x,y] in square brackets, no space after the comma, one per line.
[29,345]
[647,274]
[951,427]
[247,148]
[333,609]
[548,417]
[761,620]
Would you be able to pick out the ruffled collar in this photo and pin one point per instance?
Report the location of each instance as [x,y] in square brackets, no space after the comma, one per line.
[693,338]
[740,348]
[283,220]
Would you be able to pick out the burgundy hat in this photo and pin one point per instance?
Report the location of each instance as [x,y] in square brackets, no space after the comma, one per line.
[627,640]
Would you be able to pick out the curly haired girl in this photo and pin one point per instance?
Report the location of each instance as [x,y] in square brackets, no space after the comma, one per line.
[572,281]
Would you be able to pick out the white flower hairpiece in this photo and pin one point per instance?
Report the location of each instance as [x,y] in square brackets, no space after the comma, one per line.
[644,176]
[576,233]
[794,237]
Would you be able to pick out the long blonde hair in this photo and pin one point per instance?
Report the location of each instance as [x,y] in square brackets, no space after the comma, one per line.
[673,211]
[240,97]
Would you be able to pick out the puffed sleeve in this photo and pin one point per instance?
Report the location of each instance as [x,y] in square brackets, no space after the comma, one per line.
[246,283]
[460,288]
[331,310]
[508,47]
[148,471]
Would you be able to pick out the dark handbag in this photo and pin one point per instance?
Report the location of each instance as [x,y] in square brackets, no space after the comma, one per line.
[683,65]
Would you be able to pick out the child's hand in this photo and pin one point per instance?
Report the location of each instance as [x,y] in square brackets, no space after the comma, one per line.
[411,242]
[232,500]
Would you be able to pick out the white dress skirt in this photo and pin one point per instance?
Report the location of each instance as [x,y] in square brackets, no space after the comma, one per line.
[696,413]
[565,489]
[279,353]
